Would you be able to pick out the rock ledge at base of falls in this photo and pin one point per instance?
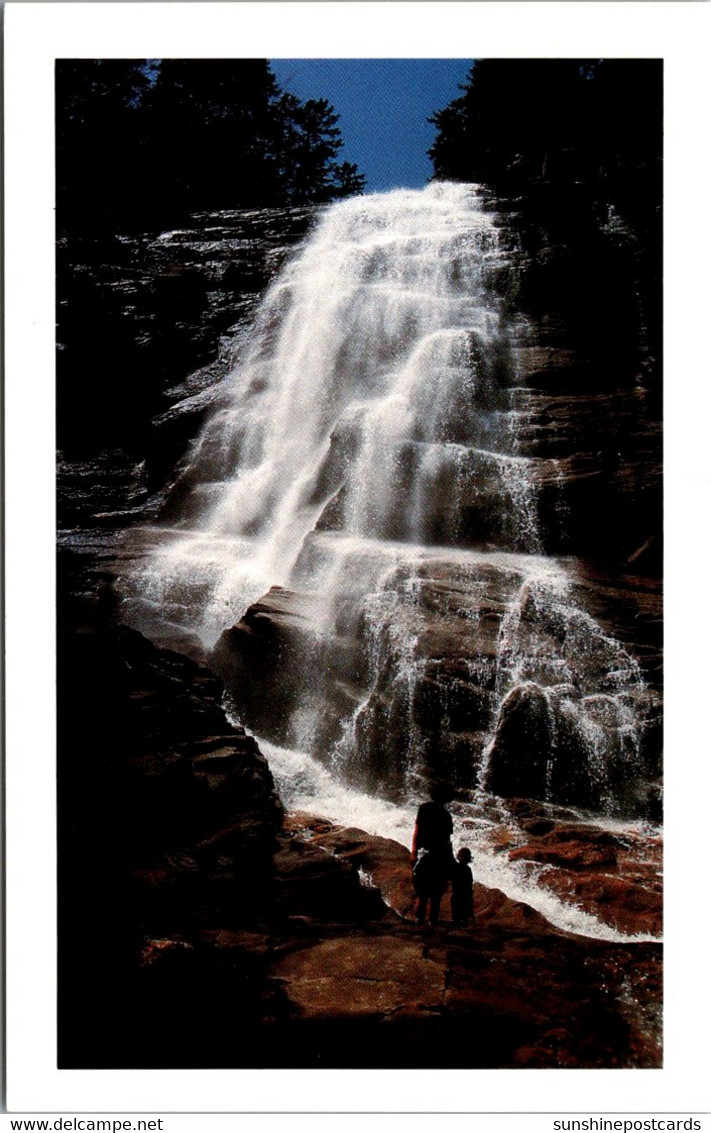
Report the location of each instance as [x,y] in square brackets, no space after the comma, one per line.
[187,899]
[511,991]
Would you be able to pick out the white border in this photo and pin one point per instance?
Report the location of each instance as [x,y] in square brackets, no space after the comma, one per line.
[35,35]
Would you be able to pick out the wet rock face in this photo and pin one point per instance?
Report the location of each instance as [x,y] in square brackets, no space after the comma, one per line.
[520,755]
[617,876]
[489,673]
[583,290]
[495,675]
[259,660]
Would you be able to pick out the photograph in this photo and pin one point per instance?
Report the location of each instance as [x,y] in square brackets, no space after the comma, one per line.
[359,561]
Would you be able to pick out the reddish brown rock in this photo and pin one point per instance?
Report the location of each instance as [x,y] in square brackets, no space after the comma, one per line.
[370,977]
[568,856]
[615,877]
[495,912]
[630,904]
[384,862]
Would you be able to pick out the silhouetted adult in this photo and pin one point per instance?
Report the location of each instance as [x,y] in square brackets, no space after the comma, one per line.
[431,856]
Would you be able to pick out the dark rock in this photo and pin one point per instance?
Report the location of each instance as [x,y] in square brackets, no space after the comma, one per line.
[312,883]
[261,660]
[162,300]
[384,862]
[224,760]
[519,757]
[159,848]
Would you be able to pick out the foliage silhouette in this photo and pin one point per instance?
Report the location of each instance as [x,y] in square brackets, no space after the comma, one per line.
[141,141]
[595,123]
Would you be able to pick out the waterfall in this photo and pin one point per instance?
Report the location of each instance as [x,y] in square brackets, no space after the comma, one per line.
[365,454]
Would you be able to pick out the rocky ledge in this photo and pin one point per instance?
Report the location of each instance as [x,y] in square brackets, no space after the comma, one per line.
[344,979]
[614,874]
[210,930]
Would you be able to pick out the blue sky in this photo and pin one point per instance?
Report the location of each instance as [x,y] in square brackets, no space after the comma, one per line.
[383,106]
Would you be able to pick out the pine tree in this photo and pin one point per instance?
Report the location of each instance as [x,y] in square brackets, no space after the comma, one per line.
[139,141]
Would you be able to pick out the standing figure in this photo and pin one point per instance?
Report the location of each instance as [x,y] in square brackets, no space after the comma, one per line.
[431,856]
[462,889]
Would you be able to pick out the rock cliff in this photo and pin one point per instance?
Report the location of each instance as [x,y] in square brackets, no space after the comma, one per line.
[145,323]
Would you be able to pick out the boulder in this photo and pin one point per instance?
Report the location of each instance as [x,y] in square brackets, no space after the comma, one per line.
[314,885]
[382,863]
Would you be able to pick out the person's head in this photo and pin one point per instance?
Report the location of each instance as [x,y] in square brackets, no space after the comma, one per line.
[464,855]
[441,792]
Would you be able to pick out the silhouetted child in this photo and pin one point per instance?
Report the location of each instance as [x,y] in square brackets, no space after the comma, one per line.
[462,889]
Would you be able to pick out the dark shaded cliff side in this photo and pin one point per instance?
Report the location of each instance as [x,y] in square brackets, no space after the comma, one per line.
[139,313]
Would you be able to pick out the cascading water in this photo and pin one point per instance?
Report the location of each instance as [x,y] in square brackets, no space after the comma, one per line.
[368,400]
[365,454]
